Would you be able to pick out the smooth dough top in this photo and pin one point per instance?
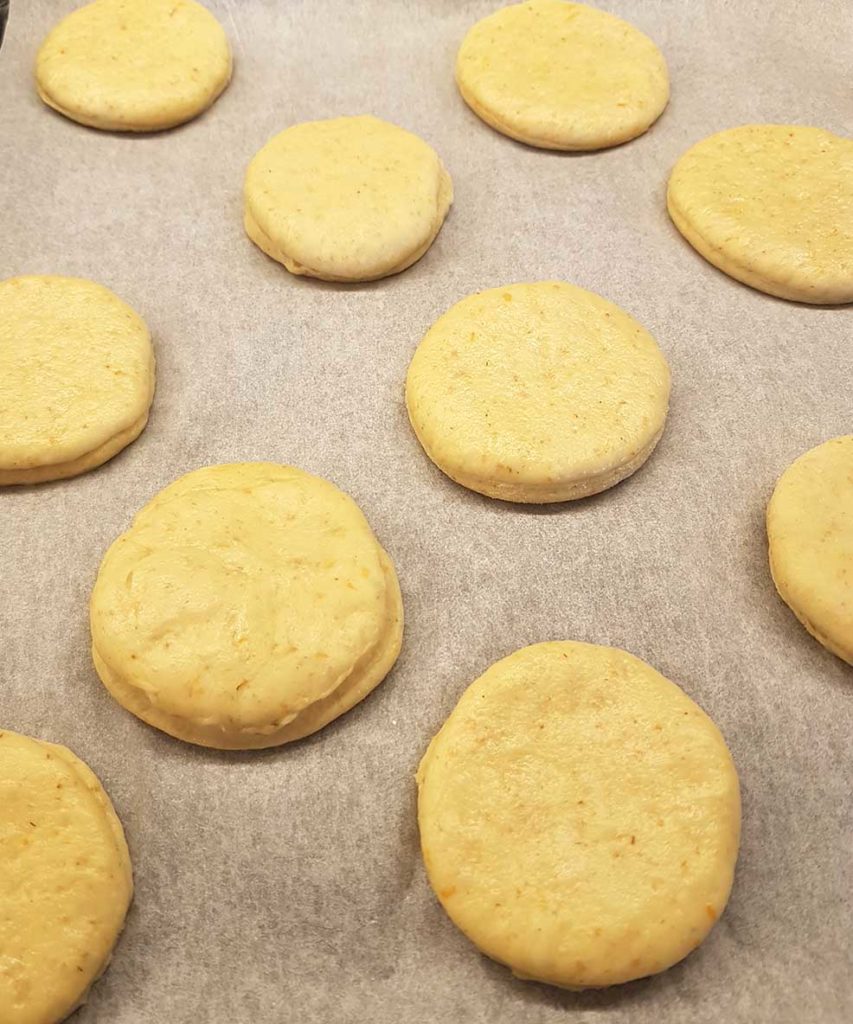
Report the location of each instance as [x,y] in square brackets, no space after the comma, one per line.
[65,880]
[537,392]
[134,65]
[771,205]
[810,529]
[351,198]
[562,75]
[579,816]
[240,595]
[76,369]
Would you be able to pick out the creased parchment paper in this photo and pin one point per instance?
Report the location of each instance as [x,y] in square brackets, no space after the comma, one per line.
[287,885]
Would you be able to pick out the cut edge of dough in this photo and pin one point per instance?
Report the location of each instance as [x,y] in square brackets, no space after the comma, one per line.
[88,460]
[360,682]
[139,126]
[89,781]
[815,294]
[444,200]
[64,470]
[563,144]
[551,492]
[785,594]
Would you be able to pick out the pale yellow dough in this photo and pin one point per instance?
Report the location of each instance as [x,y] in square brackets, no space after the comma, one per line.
[65,880]
[248,605]
[537,393]
[772,206]
[562,75]
[810,531]
[134,65]
[76,377]
[348,199]
[579,816]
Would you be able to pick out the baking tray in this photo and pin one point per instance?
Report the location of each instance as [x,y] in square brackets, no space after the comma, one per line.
[287,885]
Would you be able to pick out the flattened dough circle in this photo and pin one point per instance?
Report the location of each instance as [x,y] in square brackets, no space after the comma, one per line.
[65,880]
[76,377]
[810,533]
[247,605]
[562,75]
[537,393]
[579,816]
[771,205]
[134,65]
[347,199]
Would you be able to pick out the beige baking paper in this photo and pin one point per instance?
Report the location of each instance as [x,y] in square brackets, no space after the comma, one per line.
[287,885]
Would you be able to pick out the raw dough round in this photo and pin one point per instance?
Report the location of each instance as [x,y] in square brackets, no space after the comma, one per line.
[579,816]
[348,199]
[537,393]
[771,205]
[134,65]
[562,75]
[76,377]
[810,529]
[247,605]
[65,880]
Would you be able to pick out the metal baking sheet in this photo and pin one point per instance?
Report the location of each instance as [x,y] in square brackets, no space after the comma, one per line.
[287,885]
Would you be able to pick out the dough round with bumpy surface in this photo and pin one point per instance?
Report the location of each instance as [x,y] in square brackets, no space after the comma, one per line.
[246,606]
[134,65]
[810,532]
[579,816]
[348,199]
[65,880]
[537,393]
[772,206]
[562,75]
[76,377]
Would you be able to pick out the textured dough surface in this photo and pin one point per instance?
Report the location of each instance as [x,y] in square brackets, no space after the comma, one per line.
[134,65]
[65,880]
[562,75]
[810,531]
[537,393]
[579,816]
[76,377]
[772,206]
[347,199]
[247,606]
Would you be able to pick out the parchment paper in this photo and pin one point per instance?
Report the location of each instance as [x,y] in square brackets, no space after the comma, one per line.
[287,885]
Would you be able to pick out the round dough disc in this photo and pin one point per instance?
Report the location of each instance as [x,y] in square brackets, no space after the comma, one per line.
[246,606]
[134,65]
[579,816]
[771,205]
[65,880]
[810,530]
[348,199]
[76,377]
[562,75]
[537,393]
